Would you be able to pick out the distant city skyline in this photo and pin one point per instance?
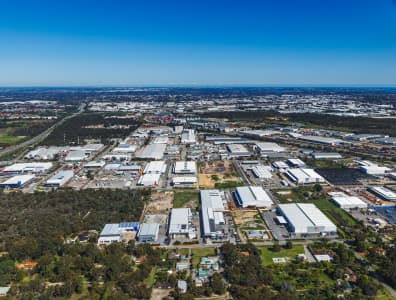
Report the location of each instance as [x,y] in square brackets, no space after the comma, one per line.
[198,43]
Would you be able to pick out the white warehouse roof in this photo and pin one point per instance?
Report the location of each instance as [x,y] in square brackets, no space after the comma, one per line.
[253,196]
[262,172]
[155,167]
[383,192]
[154,151]
[304,175]
[185,167]
[18,181]
[60,178]
[212,208]
[179,221]
[347,202]
[269,147]
[150,179]
[28,167]
[304,218]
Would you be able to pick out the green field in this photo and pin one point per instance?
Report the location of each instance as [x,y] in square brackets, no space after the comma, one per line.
[7,139]
[197,253]
[182,198]
[267,255]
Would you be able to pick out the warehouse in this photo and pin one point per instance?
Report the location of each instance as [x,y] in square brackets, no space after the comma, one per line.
[155,167]
[17,181]
[212,208]
[76,155]
[237,150]
[326,155]
[302,176]
[43,153]
[152,151]
[88,149]
[113,232]
[306,218]
[60,178]
[151,179]
[185,167]
[295,162]
[265,147]
[188,136]
[253,196]
[217,140]
[179,223]
[117,156]
[383,193]
[125,148]
[371,168]
[321,140]
[347,202]
[184,181]
[161,139]
[30,168]
[280,165]
[262,172]
[95,164]
[148,232]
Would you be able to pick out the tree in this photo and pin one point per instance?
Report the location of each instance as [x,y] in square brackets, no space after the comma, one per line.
[217,284]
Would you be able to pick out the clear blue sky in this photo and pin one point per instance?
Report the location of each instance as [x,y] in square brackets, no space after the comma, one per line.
[198,42]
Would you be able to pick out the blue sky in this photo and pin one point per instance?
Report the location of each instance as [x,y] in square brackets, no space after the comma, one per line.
[205,42]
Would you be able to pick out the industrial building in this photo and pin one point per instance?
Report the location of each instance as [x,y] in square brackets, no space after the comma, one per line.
[113,232]
[150,179]
[185,167]
[152,151]
[321,140]
[188,136]
[28,168]
[17,181]
[237,150]
[326,155]
[43,153]
[184,180]
[212,208]
[304,176]
[161,139]
[117,156]
[383,193]
[76,156]
[306,218]
[264,148]
[148,232]
[125,148]
[60,178]
[371,168]
[179,223]
[262,172]
[295,163]
[347,202]
[95,164]
[155,167]
[253,196]
[280,165]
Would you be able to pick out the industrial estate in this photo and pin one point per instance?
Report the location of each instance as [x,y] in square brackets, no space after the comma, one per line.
[223,179]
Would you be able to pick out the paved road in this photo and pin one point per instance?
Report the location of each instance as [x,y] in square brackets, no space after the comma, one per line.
[41,136]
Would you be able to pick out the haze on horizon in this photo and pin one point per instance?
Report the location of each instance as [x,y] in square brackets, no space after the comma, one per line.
[285,42]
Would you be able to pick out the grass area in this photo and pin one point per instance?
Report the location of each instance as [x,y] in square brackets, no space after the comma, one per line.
[228,184]
[7,139]
[327,163]
[383,294]
[267,255]
[183,251]
[182,198]
[151,278]
[197,253]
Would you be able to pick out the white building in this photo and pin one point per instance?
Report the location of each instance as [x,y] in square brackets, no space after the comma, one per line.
[372,168]
[383,192]
[304,176]
[155,167]
[347,202]
[148,232]
[60,178]
[262,172]
[180,221]
[76,155]
[237,150]
[267,147]
[184,180]
[253,196]
[150,179]
[280,165]
[295,162]
[112,233]
[306,218]
[212,208]
[125,148]
[326,155]
[17,181]
[188,136]
[152,151]
[185,167]
[28,168]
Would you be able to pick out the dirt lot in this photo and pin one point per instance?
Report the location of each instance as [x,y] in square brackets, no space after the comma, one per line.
[248,220]
[158,294]
[161,202]
[215,167]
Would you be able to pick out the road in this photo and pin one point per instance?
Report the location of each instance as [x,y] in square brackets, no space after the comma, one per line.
[39,138]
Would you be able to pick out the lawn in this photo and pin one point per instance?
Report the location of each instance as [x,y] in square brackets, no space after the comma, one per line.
[151,279]
[182,198]
[383,294]
[267,255]
[197,253]
[7,139]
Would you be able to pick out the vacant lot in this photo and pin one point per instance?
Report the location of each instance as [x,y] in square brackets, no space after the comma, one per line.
[160,202]
[218,174]
[186,199]
[267,254]
[197,253]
